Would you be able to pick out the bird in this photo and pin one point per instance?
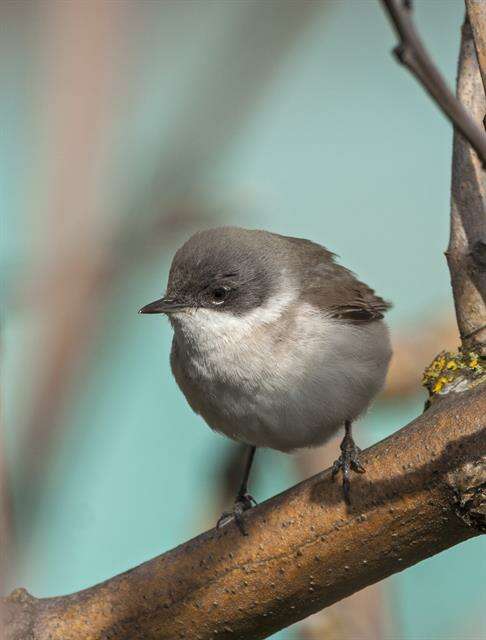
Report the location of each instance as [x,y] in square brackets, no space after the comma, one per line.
[275,344]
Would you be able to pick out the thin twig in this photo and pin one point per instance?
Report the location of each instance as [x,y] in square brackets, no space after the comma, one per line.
[413,55]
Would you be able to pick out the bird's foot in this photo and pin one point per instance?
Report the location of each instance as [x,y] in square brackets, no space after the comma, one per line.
[243,502]
[347,461]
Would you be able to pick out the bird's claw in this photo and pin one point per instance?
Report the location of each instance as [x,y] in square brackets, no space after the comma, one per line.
[242,503]
[347,461]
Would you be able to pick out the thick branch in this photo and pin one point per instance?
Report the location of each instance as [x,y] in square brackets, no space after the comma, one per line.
[476,11]
[466,254]
[412,54]
[424,491]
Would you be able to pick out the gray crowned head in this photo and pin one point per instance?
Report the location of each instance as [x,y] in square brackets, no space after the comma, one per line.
[224,269]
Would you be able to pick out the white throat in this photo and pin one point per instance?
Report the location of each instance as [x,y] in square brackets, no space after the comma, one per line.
[207,329]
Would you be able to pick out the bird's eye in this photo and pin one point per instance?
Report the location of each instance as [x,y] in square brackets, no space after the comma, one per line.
[219,295]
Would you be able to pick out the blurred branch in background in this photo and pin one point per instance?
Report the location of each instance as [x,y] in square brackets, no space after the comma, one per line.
[75,110]
[413,349]
[90,248]
[235,73]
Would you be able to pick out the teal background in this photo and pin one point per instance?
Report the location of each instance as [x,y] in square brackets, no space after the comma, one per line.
[341,146]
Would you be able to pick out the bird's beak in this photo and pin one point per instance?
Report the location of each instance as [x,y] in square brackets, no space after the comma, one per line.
[164,305]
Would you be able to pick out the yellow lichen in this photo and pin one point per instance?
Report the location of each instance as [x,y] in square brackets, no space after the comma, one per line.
[437,386]
[448,368]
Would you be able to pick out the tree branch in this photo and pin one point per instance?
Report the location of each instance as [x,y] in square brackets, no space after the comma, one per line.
[424,491]
[413,55]
[466,253]
[476,11]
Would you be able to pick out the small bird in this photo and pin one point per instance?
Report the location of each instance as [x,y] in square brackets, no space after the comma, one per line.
[275,344]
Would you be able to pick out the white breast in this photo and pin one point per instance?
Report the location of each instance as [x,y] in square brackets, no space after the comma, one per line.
[286,384]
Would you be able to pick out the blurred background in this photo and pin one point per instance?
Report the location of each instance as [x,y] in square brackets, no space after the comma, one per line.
[128,125]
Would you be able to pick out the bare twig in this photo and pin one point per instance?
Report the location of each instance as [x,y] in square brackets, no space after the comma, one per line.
[466,254]
[412,54]
[424,491]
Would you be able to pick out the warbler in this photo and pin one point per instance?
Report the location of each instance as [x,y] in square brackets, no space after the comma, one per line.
[275,343]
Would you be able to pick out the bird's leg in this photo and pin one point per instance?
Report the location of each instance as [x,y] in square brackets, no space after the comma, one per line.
[349,459]
[243,500]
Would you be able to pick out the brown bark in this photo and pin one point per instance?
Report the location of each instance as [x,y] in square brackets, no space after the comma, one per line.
[476,11]
[424,491]
[466,253]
